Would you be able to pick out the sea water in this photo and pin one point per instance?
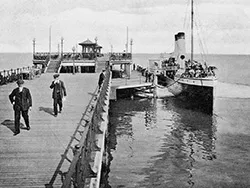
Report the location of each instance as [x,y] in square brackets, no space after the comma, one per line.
[163,143]
[15,60]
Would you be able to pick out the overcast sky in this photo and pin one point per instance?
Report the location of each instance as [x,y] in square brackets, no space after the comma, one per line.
[222,26]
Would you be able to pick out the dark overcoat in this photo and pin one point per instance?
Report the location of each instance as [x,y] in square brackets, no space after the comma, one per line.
[58,87]
[22,102]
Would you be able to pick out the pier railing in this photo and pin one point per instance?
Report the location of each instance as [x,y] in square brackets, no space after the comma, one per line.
[12,75]
[120,56]
[44,55]
[43,58]
[79,56]
[83,143]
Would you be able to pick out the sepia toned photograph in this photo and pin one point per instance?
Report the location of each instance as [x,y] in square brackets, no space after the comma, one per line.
[124,94]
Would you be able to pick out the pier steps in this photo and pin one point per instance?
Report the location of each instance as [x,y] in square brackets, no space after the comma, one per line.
[100,64]
[30,158]
[53,66]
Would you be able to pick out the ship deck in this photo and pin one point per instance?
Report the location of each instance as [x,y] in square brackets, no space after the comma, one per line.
[30,158]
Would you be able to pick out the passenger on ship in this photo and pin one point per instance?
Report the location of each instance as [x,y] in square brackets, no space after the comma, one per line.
[197,73]
[149,76]
[191,72]
[21,100]
[59,92]
[146,75]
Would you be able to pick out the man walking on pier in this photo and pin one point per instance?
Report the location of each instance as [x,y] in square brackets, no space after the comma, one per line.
[59,92]
[22,102]
[101,78]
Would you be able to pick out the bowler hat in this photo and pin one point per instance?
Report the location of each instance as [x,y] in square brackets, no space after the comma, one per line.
[19,82]
[56,75]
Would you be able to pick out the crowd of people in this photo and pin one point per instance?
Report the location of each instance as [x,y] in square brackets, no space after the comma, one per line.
[197,69]
[193,69]
[149,77]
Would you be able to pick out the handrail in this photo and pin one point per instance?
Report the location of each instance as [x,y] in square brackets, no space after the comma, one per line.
[84,149]
[57,171]
[79,164]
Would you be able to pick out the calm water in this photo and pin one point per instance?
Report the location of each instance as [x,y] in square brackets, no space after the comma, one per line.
[15,60]
[162,143]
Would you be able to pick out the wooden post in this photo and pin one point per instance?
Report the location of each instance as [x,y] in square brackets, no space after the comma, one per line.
[49,42]
[73,49]
[127,41]
[34,47]
[58,47]
[131,43]
[62,47]
[155,85]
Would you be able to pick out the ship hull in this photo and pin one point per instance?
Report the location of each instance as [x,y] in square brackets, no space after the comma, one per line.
[198,94]
[198,97]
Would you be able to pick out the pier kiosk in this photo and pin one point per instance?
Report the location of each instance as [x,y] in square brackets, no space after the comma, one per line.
[81,62]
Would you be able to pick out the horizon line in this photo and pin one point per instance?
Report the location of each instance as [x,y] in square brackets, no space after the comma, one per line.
[137,53]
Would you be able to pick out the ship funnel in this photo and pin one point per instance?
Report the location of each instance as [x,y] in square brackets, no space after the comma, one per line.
[181,49]
[175,46]
[181,43]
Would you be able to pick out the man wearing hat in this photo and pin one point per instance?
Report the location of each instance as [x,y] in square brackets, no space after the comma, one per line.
[59,91]
[22,102]
[101,78]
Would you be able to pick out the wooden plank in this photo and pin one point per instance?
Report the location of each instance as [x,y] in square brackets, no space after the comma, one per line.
[30,158]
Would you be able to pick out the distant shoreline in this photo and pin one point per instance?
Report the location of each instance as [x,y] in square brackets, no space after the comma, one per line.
[133,53]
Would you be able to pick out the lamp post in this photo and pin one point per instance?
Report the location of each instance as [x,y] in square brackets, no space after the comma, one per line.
[62,46]
[73,49]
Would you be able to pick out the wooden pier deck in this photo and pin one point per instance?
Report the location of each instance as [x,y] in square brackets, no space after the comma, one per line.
[30,158]
[136,80]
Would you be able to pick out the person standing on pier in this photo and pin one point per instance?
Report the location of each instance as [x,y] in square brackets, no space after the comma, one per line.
[59,92]
[101,78]
[22,102]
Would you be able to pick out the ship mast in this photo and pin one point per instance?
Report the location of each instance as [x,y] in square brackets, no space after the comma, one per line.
[192,28]
[127,41]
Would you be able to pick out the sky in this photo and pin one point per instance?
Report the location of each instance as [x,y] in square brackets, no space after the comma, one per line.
[221,26]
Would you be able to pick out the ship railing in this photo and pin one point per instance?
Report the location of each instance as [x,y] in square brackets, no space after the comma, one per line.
[82,145]
[170,68]
[12,75]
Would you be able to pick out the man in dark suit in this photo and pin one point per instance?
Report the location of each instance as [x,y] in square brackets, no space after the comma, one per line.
[22,102]
[101,78]
[59,92]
